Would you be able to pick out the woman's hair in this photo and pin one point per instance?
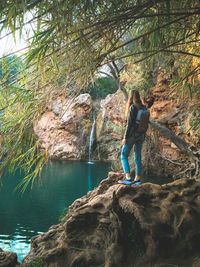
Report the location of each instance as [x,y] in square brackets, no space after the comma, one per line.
[134,98]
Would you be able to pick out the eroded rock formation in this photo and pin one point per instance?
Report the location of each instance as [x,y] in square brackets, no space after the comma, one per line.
[177,113]
[122,226]
[64,129]
[8,259]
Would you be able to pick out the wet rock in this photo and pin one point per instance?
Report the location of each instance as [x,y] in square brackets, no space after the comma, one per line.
[116,225]
[8,259]
[110,126]
[64,129]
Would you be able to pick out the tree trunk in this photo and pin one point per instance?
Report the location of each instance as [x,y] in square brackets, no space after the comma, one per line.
[181,144]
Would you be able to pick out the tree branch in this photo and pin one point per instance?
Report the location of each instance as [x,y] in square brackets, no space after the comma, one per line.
[153,53]
[143,35]
[179,142]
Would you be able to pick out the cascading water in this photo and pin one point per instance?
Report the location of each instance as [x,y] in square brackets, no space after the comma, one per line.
[92,138]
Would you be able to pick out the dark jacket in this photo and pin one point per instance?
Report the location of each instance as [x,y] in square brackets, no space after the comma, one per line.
[131,126]
[131,122]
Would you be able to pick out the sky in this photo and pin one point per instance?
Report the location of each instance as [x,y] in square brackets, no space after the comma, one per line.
[18,45]
[9,45]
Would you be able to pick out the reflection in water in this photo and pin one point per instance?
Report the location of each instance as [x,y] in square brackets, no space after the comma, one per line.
[90,182]
[25,215]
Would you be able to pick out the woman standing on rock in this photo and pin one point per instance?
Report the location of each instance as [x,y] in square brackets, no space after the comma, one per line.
[137,124]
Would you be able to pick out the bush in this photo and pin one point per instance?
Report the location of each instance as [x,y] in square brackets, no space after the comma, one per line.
[101,87]
[37,262]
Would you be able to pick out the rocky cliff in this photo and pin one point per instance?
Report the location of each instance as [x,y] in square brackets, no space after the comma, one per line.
[63,130]
[178,112]
[110,126]
[122,226]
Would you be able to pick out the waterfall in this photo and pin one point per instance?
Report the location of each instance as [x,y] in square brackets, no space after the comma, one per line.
[92,138]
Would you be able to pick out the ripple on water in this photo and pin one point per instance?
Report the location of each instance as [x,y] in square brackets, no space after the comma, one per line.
[18,242]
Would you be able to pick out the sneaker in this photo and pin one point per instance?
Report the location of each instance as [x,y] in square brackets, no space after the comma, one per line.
[137,177]
[137,182]
[125,181]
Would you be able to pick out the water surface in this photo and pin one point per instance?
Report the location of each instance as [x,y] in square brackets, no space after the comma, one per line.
[25,215]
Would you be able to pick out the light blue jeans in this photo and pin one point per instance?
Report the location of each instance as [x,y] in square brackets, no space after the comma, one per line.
[125,151]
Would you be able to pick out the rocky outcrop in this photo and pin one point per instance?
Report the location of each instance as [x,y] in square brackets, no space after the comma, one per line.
[63,129]
[110,126]
[116,225]
[174,112]
[8,259]
[177,114]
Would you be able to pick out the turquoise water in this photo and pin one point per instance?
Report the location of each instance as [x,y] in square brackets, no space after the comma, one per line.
[25,215]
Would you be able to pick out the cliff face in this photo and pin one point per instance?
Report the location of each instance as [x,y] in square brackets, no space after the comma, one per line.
[110,126]
[116,225]
[177,112]
[64,129]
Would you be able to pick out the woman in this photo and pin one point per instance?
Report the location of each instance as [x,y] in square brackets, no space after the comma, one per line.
[134,137]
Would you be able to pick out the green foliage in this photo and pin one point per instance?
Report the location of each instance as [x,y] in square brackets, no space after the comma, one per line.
[196,127]
[195,122]
[101,87]
[37,262]
[88,39]
[20,147]
[141,77]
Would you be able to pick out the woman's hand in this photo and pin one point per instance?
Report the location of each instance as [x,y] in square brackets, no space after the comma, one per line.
[123,142]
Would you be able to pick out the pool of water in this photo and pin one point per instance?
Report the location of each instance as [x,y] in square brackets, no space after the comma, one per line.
[23,216]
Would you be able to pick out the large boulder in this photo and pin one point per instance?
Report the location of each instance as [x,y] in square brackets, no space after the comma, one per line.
[116,225]
[63,130]
[110,126]
[8,259]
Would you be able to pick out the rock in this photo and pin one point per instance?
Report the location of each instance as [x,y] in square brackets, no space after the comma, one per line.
[64,129]
[179,115]
[8,259]
[76,109]
[110,125]
[57,106]
[116,225]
